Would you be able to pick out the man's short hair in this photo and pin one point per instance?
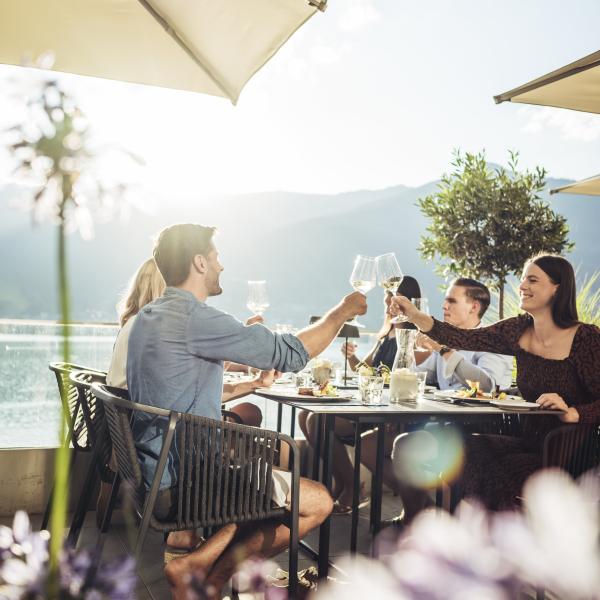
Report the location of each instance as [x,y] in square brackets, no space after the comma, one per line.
[476,291]
[177,245]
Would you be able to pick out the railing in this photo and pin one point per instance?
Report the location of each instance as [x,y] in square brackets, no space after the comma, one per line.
[29,402]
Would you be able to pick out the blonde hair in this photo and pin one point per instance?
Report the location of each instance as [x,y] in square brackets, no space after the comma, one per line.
[146,285]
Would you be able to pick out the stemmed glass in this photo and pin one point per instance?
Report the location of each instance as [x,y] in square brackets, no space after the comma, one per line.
[423,305]
[390,277]
[258,300]
[363,277]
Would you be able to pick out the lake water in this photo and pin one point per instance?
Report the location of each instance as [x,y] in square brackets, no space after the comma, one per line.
[29,401]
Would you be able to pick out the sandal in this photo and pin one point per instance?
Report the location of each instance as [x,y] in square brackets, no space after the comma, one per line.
[346,509]
[171,552]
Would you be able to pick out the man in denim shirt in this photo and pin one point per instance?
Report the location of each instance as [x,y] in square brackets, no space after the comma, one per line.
[175,360]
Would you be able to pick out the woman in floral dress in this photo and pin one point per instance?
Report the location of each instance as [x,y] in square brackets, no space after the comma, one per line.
[558,366]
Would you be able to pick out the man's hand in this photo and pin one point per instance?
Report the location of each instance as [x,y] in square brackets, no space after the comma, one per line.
[424,341]
[555,402]
[354,304]
[255,319]
[266,378]
[349,350]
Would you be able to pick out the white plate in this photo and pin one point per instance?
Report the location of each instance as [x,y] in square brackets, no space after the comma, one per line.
[292,394]
[452,395]
[516,403]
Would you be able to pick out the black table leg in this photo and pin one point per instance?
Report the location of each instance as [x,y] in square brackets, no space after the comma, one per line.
[317,449]
[279,416]
[324,530]
[356,491]
[292,433]
[377,490]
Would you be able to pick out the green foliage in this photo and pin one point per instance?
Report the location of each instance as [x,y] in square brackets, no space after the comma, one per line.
[486,223]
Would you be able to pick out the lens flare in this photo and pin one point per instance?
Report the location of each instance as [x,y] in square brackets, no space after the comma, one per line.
[425,458]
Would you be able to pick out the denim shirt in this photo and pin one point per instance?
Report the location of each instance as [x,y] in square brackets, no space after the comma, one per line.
[175,360]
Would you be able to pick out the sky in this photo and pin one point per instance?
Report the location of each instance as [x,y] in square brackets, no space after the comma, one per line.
[369,94]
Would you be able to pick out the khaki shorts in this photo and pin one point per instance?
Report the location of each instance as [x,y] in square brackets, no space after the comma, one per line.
[281,494]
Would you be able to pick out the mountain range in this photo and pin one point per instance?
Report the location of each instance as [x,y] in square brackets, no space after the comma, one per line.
[302,244]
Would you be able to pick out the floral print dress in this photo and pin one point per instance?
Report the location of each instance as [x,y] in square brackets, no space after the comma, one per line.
[496,467]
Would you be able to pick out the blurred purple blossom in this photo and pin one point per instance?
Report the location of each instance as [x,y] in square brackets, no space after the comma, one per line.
[24,567]
[552,544]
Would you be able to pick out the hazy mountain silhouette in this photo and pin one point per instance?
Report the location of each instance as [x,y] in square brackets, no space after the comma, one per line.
[302,244]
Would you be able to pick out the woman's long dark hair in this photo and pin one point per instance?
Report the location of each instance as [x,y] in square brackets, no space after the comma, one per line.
[564,303]
[410,288]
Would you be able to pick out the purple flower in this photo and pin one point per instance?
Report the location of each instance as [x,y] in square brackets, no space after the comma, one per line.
[81,577]
[23,558]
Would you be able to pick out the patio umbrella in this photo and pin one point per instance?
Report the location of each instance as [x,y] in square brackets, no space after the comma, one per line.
[208,46]
[586,187]
[575,86]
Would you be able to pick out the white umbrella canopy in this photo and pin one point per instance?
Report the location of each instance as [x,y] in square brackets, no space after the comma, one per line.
[575,86]
[208,46]
[585,187]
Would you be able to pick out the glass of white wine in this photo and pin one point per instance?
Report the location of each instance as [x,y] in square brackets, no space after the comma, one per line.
[390,277]
[423,305]
[364,277]
[258,300]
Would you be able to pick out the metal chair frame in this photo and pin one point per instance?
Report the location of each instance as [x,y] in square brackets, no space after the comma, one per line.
[77,423]
[223,471]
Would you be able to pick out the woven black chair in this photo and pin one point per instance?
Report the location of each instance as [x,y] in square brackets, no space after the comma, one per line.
[77,428]
[224,471]
[98,440]
[574,448]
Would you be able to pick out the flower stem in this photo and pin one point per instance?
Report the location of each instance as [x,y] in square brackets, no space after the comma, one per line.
[62,460]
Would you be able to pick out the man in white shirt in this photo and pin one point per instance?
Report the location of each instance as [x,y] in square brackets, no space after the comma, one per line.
[465,304]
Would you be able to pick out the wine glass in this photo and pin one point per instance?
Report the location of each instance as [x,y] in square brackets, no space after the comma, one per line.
[423,305]
[390,277]
[363,277]
[258,300]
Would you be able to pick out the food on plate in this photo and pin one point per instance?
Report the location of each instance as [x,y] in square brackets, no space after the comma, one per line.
[321,371]
[317,392]
[473,391]
[381,371]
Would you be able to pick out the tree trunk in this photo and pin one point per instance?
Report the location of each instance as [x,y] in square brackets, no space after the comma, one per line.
[501,301]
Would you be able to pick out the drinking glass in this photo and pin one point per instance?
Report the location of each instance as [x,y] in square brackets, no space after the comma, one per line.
[364,274]
[422,379]
[370,389]
[258,300]
[423,305]
[363,277]
[389,273]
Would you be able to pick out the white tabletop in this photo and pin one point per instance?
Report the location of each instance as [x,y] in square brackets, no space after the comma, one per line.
[426,406]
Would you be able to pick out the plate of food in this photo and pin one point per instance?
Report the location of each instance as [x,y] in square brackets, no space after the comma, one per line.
[471,394]
[310,394]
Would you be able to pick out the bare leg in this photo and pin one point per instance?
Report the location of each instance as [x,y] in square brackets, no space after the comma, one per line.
[249,413]
[368,457]
[342,469]
[221,554]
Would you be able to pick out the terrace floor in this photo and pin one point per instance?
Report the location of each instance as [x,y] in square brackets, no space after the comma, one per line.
[152,584]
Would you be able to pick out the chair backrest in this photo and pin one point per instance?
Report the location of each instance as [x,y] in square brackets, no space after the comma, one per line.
[71,404]
[574,448]
[93,413]
[224,470]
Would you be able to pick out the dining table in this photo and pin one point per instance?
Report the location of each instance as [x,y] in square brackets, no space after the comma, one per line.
[431,407]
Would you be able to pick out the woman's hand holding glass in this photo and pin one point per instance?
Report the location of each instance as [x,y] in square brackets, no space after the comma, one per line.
[349,349]
[402,305]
